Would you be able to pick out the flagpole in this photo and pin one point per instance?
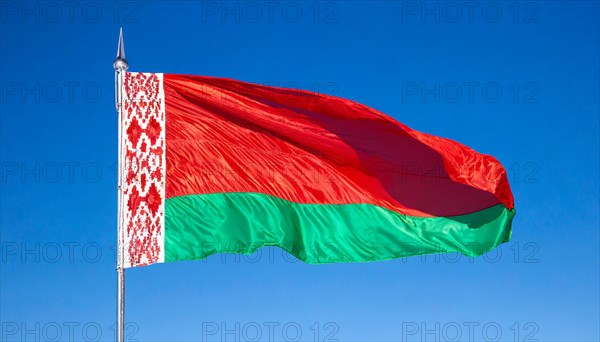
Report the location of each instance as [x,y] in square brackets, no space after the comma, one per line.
[120,64]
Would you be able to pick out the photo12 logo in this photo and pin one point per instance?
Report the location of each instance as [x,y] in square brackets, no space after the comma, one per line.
[469,331]
[55,172]
[513,252]
[470,92]
[270,12]
[71,12]
[36,252]
[269,331]
[64,331]
[470,12]
[50,92]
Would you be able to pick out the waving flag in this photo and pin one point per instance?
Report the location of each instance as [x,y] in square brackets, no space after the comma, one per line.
[212,165]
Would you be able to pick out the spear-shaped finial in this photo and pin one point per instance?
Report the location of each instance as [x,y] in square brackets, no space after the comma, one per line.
[120,63]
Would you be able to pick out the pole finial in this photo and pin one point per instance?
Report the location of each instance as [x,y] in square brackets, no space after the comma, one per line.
[120,63]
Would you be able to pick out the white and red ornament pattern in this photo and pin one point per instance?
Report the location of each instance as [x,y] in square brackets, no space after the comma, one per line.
[142,168]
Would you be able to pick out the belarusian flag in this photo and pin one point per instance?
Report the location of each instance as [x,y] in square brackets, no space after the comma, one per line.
[212,165]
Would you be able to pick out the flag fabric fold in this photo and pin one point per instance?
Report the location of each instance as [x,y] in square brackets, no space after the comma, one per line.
[213,165]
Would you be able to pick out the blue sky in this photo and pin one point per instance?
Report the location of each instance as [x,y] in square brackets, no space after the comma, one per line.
[515,80]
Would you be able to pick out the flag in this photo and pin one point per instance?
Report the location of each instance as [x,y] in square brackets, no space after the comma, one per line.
[212,165]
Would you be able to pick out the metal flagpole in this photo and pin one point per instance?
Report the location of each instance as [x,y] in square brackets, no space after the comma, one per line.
[120,64]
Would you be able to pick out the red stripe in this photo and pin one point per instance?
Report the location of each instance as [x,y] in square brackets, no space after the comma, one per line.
[230,136]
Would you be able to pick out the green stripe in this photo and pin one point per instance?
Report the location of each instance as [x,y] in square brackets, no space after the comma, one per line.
[198,226]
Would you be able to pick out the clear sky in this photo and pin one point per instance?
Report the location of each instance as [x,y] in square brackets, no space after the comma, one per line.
[518,81]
